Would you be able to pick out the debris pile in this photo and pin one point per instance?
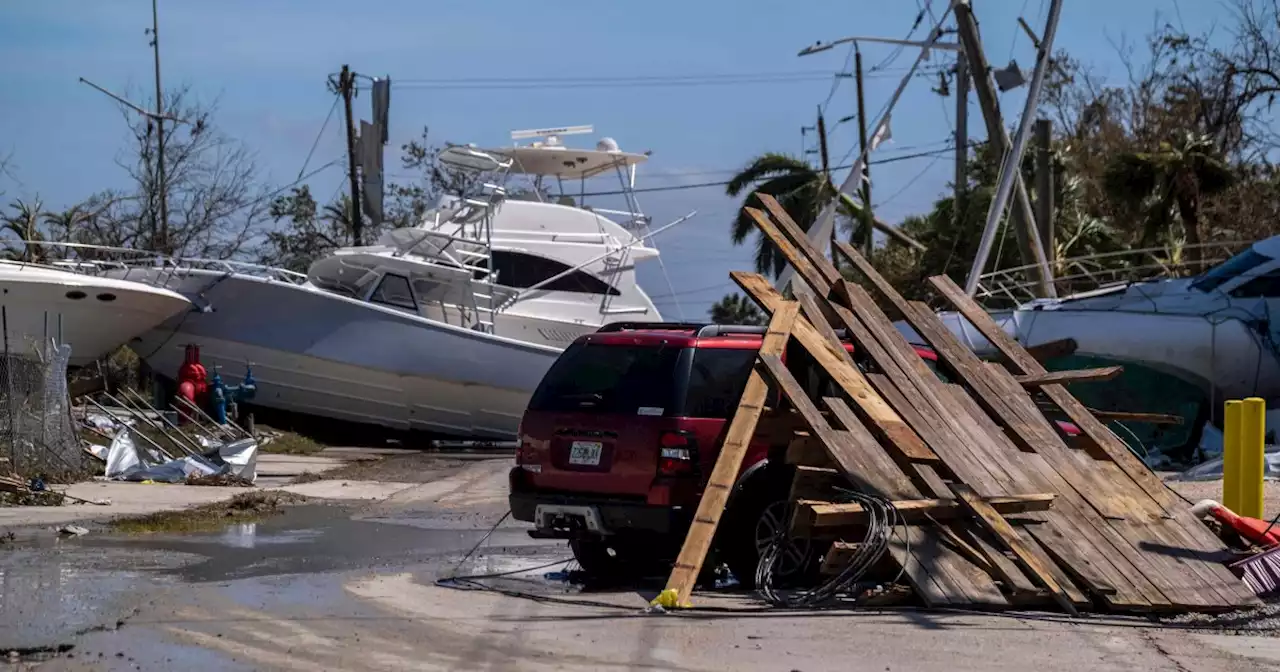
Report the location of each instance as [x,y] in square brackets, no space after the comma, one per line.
[991,506]
[147,445]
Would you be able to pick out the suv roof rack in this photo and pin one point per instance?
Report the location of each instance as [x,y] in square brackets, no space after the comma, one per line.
[699,329]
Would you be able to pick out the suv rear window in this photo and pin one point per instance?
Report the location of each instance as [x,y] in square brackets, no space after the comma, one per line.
[610,379]
[716,382]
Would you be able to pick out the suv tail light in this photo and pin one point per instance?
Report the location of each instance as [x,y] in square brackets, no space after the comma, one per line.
[678,456]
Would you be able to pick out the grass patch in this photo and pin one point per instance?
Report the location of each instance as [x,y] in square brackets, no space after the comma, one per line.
[286,443]
[245,507]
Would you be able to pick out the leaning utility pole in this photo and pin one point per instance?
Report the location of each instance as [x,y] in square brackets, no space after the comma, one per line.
[1043,132]
[160,228]
[1023,217]
[867,214]
[346,87]
[959,203]
[826,168]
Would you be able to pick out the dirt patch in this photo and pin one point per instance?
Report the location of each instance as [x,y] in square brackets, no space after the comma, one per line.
[242,508]
[408,468]
[286,443]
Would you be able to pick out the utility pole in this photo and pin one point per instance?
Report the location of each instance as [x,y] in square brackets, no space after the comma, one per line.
[346,87]
[160,228]
[826,173]
[1043,134]
[867,214]
[1022,216]
[959,203]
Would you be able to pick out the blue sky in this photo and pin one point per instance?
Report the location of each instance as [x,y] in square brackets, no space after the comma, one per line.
[265,62]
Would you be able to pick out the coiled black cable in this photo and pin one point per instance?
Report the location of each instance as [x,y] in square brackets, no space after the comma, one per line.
[882,519]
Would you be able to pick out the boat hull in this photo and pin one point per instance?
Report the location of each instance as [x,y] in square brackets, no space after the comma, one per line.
[93,315]
[1223,357]
[317,353]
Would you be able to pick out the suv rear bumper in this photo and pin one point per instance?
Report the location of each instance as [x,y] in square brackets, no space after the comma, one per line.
[616,515]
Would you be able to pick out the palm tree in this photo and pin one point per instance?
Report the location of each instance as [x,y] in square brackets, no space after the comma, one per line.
[24,224]
[736,309]
[1178,174]
[800,190]
[62,225]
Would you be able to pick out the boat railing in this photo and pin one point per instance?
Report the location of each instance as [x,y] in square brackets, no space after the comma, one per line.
[1012,287]
[159,268]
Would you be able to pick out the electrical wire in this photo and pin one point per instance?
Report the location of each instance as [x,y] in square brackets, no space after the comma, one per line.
[721,183]
[882,518]
[909,183]
[316,142]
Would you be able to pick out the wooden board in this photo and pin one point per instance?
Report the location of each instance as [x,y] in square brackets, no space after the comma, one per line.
[1025,364]
[1073,376]
[815,514]
[729,462]
[1006,534]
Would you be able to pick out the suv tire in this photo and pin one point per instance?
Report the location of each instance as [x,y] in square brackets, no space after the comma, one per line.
[756,514]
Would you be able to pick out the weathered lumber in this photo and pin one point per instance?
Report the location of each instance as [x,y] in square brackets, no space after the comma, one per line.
[1025,364]
[729,462]
[1053,349]
[1073,376]
[815,514]
[1006,534]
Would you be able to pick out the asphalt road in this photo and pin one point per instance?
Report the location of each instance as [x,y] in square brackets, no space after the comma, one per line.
[353,587]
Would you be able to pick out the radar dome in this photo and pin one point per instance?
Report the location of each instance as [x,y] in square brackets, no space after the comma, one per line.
[607,145]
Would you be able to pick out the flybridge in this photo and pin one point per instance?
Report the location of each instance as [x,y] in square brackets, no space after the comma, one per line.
[552,135]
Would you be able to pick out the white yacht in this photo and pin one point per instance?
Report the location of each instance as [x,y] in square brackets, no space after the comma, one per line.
[94,315]
[445,327]
[1215,331]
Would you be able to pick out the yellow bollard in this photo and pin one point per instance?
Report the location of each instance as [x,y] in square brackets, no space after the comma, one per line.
[1253,431]
[1231,462]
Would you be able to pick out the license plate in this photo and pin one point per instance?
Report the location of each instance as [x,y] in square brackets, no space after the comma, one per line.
[586,453]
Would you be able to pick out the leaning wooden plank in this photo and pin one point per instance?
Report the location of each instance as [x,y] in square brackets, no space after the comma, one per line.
[1080,548]
[827,514]
[1023,363]
[1074,593]
[1127,416]
[729,462]
[1007,536]
[836,362]
[869,469]
[951,569]
[1073,376]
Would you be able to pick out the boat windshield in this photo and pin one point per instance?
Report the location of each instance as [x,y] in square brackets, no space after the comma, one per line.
[1229,270]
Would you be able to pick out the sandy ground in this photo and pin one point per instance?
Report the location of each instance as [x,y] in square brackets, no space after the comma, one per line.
[355,588]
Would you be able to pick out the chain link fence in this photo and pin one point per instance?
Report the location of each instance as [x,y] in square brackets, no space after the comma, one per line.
[37,435]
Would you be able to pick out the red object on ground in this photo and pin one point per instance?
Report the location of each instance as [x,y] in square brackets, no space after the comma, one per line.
[1250,528]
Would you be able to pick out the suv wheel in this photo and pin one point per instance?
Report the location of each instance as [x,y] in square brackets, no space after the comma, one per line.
[759,512]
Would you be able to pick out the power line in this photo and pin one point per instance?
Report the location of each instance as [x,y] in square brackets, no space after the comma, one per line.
[319,135]
[721,183]
[484,84]
[909,183]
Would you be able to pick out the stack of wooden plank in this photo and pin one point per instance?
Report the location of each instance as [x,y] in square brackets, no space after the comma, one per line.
[997,508]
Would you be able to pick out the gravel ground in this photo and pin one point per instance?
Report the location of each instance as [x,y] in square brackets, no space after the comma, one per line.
[1198,490]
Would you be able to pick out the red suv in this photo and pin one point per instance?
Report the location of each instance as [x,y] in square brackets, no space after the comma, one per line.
[622,433]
